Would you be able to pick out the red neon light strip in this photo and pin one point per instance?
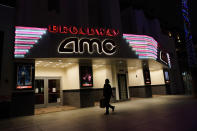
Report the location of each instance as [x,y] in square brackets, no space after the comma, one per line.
[22,47]
[24,32]
[24,87]
[151,55]
[146,51]
[20,53]
[135,46]
[24,42]
[143,47]
[30,28]
[141,39]
[140,43]
[87,85]
[144,36]
[26,37]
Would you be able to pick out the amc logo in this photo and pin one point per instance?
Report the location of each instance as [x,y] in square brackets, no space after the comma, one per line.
[75,45]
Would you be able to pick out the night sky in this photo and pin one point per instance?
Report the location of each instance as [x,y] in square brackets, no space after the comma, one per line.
[168,12]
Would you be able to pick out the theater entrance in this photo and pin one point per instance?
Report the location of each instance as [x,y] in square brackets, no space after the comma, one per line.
[47,91]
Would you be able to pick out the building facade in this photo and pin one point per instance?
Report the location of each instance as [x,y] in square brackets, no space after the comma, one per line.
[64,50]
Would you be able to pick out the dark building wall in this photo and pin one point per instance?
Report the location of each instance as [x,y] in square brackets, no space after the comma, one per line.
[140,91]
[84,97]
[6,54]
[37,13]
[128,21]
[71,97]
[159,89]
[97,13]
[144,92]
[22,103]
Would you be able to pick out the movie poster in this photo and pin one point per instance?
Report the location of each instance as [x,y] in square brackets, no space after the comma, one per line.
[86,77]
[24,77]
[147,77]
[166,76]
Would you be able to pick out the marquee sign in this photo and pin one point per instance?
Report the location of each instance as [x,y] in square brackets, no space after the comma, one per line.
[72,41]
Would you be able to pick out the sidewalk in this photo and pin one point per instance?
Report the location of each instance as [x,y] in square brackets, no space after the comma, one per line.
[162,113]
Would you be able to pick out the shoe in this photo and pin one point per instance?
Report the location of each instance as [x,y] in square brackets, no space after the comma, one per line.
[113,108]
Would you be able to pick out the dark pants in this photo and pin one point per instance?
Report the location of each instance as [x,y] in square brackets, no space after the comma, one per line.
[107,100]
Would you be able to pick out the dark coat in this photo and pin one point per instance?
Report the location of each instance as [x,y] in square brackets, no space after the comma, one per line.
[107,91]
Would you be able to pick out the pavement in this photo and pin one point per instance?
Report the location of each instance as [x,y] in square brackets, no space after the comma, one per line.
[162,113]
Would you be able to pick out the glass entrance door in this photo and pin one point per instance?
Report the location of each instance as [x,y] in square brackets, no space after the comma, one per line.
[53,91]
[47,92]
[39,91]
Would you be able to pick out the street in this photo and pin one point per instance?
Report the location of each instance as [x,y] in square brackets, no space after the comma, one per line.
[161,113]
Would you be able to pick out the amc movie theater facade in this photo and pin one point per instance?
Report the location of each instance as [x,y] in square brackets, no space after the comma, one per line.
[67,65]
[61,53]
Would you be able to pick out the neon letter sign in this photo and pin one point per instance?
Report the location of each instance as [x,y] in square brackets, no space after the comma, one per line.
[83,30]
[73,45]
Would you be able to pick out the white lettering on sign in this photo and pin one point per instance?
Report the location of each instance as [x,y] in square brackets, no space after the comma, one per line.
[165,57]
[73,45]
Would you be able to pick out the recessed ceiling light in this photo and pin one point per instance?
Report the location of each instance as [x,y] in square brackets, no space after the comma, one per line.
[50,62]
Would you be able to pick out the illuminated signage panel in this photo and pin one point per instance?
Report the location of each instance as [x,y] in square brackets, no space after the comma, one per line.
[65,41]
[145,47]
[165,58]
[71,41]
[83,31]
[24,77]
[86,76]
[73,45]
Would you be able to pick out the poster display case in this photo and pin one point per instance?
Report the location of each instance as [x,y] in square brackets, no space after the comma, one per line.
[24,78]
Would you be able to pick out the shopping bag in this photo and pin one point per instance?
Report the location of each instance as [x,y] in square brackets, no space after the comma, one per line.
[102,103]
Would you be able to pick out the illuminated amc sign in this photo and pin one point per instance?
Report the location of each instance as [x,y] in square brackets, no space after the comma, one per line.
[75,45]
